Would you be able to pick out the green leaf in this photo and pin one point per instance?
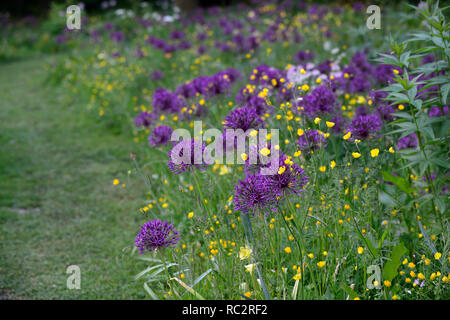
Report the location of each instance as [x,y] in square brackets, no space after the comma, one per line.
[369,245]
[400,182]
[386,199]
[390,267]
[426,237]
[380,243]
[445,89]
[150,292]
[352,294]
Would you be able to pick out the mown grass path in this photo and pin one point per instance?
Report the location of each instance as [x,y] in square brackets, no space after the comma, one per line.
[58,206]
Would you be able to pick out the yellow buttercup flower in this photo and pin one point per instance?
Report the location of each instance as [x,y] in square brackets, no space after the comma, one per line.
[265,151]
[300,132]
[360,250]
[321,264]
[190,214]
[287,250]
[374,152]
[332,164]
[347,135]
[330,124]
[356,155]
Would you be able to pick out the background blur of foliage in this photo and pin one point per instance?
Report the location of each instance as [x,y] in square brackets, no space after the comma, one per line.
[40,8]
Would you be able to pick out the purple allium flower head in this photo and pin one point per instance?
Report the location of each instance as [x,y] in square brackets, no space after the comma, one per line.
[259,104]
[363,126]
[157,75]
[202,36]
[184,45]
[156,234]
[311,140]
[177,35]
[254,195]
[187,155]
[232,74]
[428,59]
[359,83]
[160,136]
[386,111]
[436,111]
[243,118]
[166,101]
[324,67]
[339,123]
[186,90]
[202,50]
[108,26]
[362,111]
[384,74]
[117,36]
[218,84]
[304,56]
[320,100]
[358,6]
[290,178]
[378,96]
[145,119]
[410,141]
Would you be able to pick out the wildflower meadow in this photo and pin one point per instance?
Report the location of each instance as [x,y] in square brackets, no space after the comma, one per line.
[251,150]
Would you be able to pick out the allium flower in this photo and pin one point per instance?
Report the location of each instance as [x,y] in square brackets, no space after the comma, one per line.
[201,50]
[378,96]
[290,178]
[186,90]
[157,75]
[385,111]
[254,194]
[436,111]
[160,136]
[187,155]
[156,234]
[428,59]
[362,111]
[243,118]
[177,35]
[320,100]
[339,123]
[363,126]
[117,36]
[384,74]
[259,104]
[324,67]
[232,74]
[184,45]
[310,141]
[409,141]
[166,101]
[145,119]
[304,56]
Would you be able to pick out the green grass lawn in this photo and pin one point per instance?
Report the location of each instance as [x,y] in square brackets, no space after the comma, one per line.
[58,206]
